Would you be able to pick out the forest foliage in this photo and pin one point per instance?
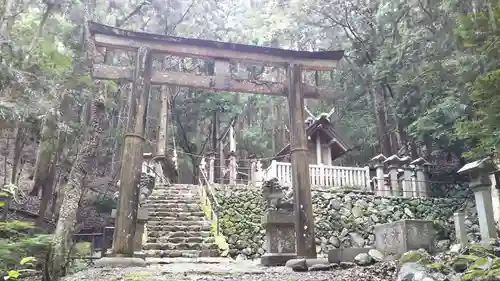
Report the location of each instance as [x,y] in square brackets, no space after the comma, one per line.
[418,75]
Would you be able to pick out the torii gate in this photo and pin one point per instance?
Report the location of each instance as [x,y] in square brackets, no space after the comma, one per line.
[143,76]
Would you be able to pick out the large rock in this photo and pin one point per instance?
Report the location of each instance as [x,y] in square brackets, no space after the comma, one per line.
[419,256]
[412,271]
[376,255]
[297,264]
[357,239]
[363,259]
[357,212]
[120,262]
[345,254]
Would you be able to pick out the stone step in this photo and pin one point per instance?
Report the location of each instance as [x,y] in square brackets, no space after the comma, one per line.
[197,260]
[181,254]
[165,202]
[180,246]
[180,240]
[195,227]
[183,234]
[175,219]
[189,199]
[177,185]
[177,214]
[190,208]
[152,222]
[174,192]
[177,197]
[182,188]
[172,203]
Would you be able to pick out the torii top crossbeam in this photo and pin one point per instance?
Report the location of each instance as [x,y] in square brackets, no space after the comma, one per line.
[222,53]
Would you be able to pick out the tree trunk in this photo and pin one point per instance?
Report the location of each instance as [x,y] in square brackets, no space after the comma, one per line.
[274,127]
[162,143]
[44,155]
[215,144]
[48,186]
[72,193]
[5,154]
[18,153]
[47,191]
[152,123]
[383,134]
[162,152]
[118,138]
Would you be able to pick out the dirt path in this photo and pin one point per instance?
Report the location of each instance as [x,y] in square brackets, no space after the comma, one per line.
[228,270]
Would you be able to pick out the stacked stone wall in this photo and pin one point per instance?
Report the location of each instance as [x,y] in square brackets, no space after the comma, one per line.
[342,218]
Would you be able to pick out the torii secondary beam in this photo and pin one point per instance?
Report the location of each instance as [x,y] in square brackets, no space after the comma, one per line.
[109,72]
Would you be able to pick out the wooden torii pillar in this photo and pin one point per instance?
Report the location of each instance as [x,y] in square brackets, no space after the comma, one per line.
[224,54]
[132,157]
[228,140]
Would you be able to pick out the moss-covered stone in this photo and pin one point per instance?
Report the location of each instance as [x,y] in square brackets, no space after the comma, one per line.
[419,256]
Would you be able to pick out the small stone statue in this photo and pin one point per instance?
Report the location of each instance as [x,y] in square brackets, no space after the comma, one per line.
[277,197]
[146,185]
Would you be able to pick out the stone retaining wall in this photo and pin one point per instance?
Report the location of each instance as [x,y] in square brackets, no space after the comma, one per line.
[343,218]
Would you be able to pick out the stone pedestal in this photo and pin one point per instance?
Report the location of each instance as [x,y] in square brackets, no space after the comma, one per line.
[397,238]
[378,164]
[421,168]
[407,181]
[480,182]
[495,196]
[394,163]
[280,238]
[460,228]
[279,223]
[484,207]
[142,219]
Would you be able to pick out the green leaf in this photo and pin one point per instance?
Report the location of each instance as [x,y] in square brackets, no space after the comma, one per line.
[26,270]
[2,204]
[436,265]
[470,258]
[496,264]
[482,263]
[494,273]
[27,260]
[14,274]
[473,275]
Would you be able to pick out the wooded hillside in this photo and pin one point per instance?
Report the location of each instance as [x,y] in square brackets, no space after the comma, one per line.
[418,78]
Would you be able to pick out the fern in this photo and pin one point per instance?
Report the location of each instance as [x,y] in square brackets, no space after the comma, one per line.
[17,246]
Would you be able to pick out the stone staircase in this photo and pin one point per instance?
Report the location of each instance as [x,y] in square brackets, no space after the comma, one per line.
[177,226]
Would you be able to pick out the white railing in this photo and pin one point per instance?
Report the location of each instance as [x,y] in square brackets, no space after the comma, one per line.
[322,175]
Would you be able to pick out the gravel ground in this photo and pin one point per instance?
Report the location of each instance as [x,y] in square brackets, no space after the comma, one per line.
[227,271]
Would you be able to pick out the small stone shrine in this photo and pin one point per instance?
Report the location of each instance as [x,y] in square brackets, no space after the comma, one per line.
[279,224]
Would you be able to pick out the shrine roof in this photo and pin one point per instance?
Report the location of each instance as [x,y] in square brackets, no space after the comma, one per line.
[324,125]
